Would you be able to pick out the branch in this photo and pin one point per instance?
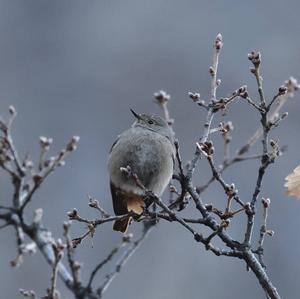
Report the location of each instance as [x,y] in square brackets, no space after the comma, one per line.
[162,99]
[261,275]
[291,86]
[114,251]
[218,44]
[263,231]
[40,177]
[119,265]
[58,248]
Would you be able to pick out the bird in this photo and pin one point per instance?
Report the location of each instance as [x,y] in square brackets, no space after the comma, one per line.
[293,183]
[147,147]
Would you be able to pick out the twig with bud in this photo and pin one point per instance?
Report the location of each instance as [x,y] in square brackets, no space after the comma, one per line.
[207,150]
[58,248]
[181,201]
[255,58]
[162,99]
[7,133]
[91,224]
[74,265]
[263,231]
[45,169]
[213,70]
[94,203]
[196,99]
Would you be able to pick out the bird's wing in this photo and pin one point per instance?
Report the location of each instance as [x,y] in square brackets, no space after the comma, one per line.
[174,162]
[119,203]
[116,141]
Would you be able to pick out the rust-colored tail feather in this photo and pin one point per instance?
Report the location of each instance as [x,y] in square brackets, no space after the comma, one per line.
[122,225]
[123,203]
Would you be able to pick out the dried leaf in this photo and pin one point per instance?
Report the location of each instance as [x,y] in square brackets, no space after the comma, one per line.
[293,183]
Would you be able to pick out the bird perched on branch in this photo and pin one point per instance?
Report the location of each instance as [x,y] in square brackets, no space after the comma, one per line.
[148,149]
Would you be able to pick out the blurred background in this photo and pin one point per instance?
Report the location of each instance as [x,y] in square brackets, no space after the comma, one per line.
[76,67]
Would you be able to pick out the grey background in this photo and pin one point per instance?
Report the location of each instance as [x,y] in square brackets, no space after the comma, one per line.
[76,67]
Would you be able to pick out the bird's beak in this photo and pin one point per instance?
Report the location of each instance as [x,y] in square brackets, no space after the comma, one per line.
[137,116]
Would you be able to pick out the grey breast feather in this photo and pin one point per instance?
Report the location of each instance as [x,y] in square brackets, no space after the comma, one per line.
[149,154]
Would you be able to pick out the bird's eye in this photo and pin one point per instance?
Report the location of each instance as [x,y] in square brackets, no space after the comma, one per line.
[150,122]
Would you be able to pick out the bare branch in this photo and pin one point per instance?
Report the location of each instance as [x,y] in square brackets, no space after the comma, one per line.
[125,257]
[114,251]
[39,178]
[162,99]
[218,44]
[263,231]
[58,248]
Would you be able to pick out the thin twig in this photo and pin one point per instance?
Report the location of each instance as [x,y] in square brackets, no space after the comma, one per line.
[52,290]
[125,257]
[218,44]
[263,231]
[114,251]
[40,178]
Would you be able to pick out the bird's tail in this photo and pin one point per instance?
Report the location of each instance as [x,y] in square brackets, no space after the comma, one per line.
[122,225]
